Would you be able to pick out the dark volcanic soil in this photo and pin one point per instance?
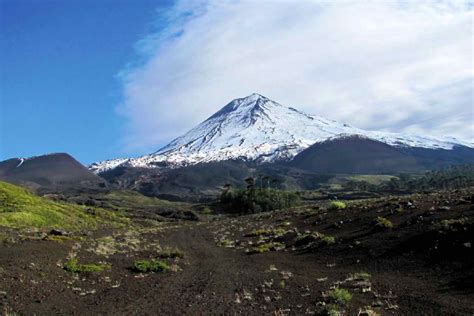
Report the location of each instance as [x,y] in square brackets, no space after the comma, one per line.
[421,266]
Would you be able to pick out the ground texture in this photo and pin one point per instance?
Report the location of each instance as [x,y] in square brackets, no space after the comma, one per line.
[409,255]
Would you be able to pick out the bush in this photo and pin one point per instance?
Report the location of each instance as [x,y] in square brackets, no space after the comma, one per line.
[382,222]
[150,266]
[72,266]
[337,205]
[340,296]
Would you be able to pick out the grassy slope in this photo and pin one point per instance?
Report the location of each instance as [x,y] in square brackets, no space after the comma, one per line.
[20,208]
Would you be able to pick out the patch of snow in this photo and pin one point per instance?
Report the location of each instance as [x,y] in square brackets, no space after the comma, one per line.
[22,160]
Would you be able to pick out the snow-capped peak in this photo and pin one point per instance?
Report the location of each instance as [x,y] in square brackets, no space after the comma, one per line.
[257,128]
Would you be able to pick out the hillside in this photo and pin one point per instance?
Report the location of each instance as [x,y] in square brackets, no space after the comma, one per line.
[57,171]
[20,208]
[354,155]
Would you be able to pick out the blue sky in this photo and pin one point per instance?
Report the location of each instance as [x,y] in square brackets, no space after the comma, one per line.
[59,63]
[120,78]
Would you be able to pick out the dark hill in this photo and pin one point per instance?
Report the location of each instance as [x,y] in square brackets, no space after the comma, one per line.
[355,155]
[54,171]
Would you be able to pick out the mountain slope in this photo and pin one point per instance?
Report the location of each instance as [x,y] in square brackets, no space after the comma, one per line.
[20,208]
[257,129]
[52,170]
[354,155]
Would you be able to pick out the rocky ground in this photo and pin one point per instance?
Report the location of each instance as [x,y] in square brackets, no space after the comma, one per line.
[409,255]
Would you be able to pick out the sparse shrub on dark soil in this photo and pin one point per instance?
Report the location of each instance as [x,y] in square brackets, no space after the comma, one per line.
[72,266]
[382,222]
[152,265]
[340,296]
[337,205]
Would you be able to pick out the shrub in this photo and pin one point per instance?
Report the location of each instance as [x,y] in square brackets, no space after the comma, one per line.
[337,205]
[340,296]
[382,222]
[150,266]
[72,266]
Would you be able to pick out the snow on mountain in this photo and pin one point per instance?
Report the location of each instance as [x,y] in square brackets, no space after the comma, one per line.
[257,128]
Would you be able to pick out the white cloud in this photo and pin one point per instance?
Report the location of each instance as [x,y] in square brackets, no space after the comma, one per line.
[394,66]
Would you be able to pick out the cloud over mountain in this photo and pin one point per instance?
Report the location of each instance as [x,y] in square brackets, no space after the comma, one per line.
[376,65]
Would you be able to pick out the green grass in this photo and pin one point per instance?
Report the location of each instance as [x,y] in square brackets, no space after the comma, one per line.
[340,296]
[72,266]
[337,205]
[153,265]
[20,208]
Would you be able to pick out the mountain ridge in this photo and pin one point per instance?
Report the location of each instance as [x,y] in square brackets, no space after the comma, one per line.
[255,128]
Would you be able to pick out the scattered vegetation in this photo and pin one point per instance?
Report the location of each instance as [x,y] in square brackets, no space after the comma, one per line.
[258,232]
[266,247]
[129,202]
[153,265]
[276,232]
[382,222]
[72,266]
[310,238]
[452,225]
[454,177]
[337,205]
